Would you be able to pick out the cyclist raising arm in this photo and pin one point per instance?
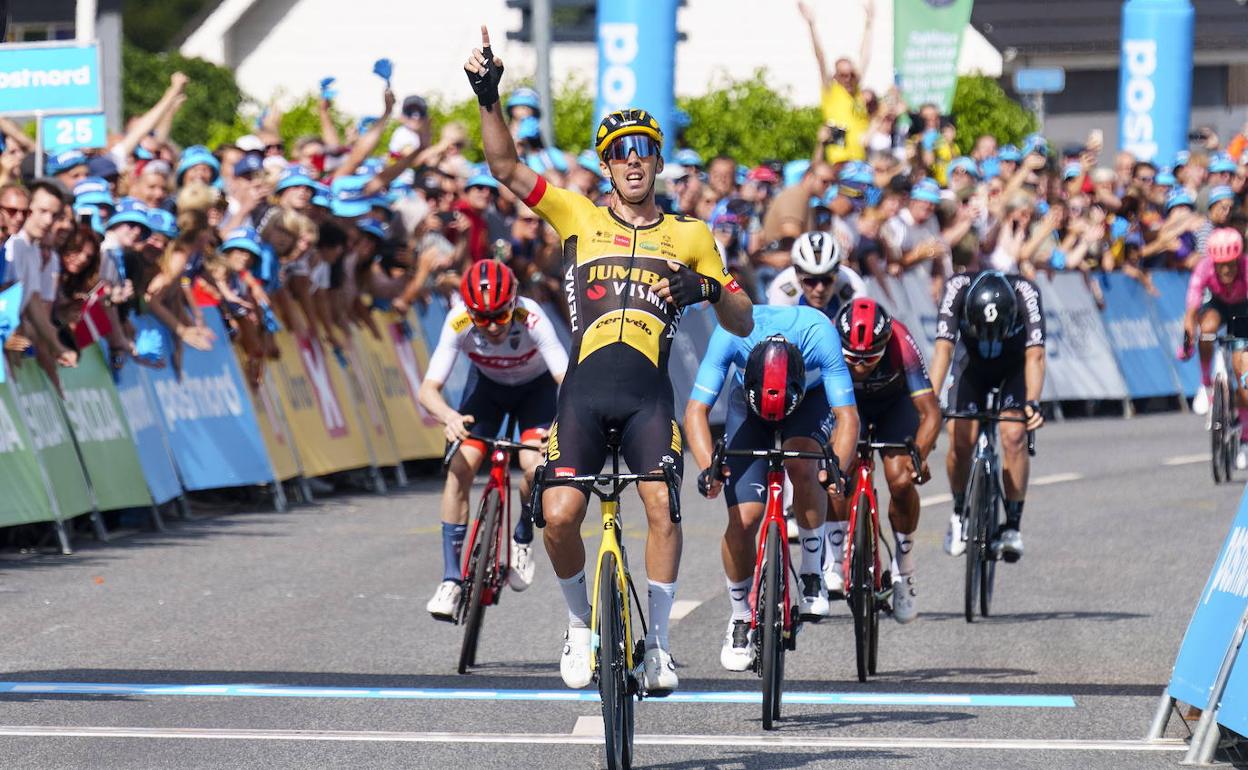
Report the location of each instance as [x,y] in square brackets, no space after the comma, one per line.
[997,323]
[628,272]
[829,397]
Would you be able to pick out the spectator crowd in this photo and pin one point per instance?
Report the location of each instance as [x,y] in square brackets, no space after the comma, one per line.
[310,237]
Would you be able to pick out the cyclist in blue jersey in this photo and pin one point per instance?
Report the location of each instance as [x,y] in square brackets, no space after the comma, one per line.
[817,276]
[827,410]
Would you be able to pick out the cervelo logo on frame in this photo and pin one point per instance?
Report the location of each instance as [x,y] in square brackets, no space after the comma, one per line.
[1140,96]
[620,47]
[317,367]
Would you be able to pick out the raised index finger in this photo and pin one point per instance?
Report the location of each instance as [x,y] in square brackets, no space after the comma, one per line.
[485,37]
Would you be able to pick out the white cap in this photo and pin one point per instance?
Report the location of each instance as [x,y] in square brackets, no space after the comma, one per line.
[250,143]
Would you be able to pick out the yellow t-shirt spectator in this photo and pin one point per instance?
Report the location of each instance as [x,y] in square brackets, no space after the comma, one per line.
[841,108]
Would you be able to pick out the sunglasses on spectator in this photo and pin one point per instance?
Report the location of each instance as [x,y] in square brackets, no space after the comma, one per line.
[854,359]
[12,212]
[815,281]
[618,151]
[483,320]
[280,147]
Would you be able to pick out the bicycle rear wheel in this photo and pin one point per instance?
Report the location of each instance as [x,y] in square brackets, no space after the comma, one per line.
[483,550]
[862,585]
[1216,428]
[770,609]
[613,673]
[975,527]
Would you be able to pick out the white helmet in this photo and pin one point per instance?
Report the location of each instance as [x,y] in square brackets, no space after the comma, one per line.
[816,253]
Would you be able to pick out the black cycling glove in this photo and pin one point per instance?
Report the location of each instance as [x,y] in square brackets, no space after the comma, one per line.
[704,482]
[689,287]
[486,86]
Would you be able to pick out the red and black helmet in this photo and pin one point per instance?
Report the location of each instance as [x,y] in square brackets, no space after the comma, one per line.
[775,378]
[865,328]
[488,287]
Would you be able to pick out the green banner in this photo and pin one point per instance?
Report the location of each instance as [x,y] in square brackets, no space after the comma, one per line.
[25,498]
[927,36]
[95,416]
[52,439]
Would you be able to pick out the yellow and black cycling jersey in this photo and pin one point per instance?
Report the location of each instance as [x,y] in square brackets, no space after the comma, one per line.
[611,268]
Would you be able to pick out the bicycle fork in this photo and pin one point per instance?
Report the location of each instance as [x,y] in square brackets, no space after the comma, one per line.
[775,503]
[611,545]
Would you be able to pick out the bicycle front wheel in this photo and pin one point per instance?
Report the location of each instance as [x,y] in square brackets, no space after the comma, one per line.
[975,526]
[1219,426]
[862,585]
[483,551]
[613,674]
[770,613]
[992,526]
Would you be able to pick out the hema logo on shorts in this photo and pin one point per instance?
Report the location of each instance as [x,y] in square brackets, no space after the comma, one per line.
[1140,94]
[50,78]
[198,398]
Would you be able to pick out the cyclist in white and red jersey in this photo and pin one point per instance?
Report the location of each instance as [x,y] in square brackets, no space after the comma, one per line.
[1218,290]
[517,365]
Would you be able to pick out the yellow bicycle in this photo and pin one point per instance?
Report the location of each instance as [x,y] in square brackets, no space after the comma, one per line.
[617,654]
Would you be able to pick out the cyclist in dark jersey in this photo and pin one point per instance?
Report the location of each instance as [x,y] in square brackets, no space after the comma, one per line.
[895,402]
[628,272]
[997,325]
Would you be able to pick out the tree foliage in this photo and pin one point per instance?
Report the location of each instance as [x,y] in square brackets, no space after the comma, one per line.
[750,121]
[212,95]
[152,24]
[980,107]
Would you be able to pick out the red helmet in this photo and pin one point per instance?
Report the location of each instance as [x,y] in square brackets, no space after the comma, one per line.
[865,328]
[488,287]
[775,378]
[1224,245]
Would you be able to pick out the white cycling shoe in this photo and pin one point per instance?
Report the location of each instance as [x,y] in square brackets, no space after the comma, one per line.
[833,580]
[574,662]
[659,673]
[813,604]
[905,607]
[1200,402]
[955,541]
[520,576]
[1241,457]
[445,601]
[737,654]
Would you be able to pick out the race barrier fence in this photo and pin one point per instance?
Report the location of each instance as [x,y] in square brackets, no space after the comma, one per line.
[144,436]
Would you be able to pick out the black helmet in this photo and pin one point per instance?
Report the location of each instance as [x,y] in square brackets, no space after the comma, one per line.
[990,306]
[775,378]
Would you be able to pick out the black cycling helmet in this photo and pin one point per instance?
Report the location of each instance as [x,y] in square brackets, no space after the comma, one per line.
[775,378]
[990,306]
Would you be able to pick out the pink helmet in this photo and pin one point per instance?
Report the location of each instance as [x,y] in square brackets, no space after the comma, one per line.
[1224,245]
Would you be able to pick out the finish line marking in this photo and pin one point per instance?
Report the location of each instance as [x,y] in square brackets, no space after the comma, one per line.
[756,741]
[437,693]
[1186,459]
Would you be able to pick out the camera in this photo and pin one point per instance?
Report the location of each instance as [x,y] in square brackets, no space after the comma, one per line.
[836,135]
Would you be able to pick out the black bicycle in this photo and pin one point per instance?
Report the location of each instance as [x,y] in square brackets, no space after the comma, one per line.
[982,516]
[619,651]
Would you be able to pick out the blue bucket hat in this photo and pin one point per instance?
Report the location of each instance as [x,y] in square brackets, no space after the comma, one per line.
[129,211]
[688,157]
[92,191]
[293,176]
[925,190]
[1222,164]
[1181,159]
[321,195]
[1072,171]
[248,164]
[528,129]
[524,97]
[1035,143]
[64,161]
[1180,198]
[681,119]
[348,198]
[1220,193]
[481,180]
[102,166]
[93,212]
[965,164]
[588,160]
[1009,154]
[161,221]
[244,238]
[371,166]
[1165,178]
[198,155]
[794,170]
[373,227]
[857,172]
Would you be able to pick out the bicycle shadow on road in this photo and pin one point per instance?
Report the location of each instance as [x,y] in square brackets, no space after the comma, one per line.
[838,720]
[1036,617]
[774,760]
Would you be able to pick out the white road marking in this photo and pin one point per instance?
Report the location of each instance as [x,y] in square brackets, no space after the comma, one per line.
[1055,478]
[589,726]
[1186,459]
[682,607]
[943,497]
[759,741]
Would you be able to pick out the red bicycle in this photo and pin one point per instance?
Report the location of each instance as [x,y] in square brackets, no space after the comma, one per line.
[868,586]
[774,617]
[487,557]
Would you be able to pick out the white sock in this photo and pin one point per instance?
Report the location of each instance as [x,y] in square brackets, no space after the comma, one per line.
[812,550]
[904,552]
[835,532]
[577,599]
[739,597]
[659,598]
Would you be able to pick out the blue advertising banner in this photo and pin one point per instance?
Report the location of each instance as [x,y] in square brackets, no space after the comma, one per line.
[1134,334]
[208,417]
[74,132]
[1155,78]
[57,77]
[637,59]
[148,431]
[1216,617]
[1169,306]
